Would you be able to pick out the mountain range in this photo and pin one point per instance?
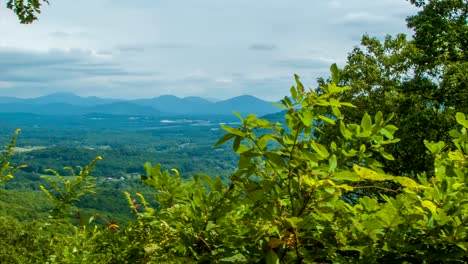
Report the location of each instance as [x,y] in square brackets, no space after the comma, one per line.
[71,104]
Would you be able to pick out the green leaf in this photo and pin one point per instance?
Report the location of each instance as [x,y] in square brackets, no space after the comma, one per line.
[271,257]
[236,144]
[433,147]
[306,118]
[235,131]
[371,175]
[335,73]
[300,87]
[238,116]
[346,176]
[327,119]
[345,132]
[366,122]
[386,133]
[224,139]
[429,205]
[336,111]
[279,105]
[387,155]
[391,129]
[275,158]
[238,258]
[407,182]
[461,119]
[293,92]
[320,149]
[332,163]
[378,118]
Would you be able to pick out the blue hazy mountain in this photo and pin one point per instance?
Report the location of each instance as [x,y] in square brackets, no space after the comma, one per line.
[246,104]
[71,98]
[199,106]
[71,104]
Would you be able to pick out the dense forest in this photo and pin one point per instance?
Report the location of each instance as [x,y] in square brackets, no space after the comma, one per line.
[371,166]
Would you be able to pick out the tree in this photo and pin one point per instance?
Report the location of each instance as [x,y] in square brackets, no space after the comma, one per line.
[423,81]
[26,10]
[441,34]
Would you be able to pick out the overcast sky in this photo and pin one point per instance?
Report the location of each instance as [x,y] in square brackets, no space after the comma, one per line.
[209,48]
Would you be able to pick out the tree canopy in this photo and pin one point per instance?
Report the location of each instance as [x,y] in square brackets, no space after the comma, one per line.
[26,10]
[423,81]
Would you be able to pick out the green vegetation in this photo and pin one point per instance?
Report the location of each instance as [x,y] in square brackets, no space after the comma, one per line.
[26,10]
[423,81]
[371,167]
[291,199]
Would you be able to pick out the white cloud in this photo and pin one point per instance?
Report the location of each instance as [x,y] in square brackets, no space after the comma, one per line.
[213,48]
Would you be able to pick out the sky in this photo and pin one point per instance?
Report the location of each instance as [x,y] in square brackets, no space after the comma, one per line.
[210,48]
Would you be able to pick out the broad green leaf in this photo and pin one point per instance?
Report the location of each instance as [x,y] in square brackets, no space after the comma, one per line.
[386,133]
[369,203]
[275,242]
[346,176]
[463,245]
[407,182]
[327,119]
[391,129]
[263,140]
[275,158]
[345,132]
[306,118]
[279,105]
[335,73]
[224,139]
[294,221]
[387,155]
[320,149]
[378,118]
[300,86]
[366,122]
[429,205]
[271,257]
[461,119]
[336,111]
[237,258]
[332,163]
[371,175]
[334,102]
[346,187]
[235,131]
[293,92]
[236,143]
[238,115]
[433,147]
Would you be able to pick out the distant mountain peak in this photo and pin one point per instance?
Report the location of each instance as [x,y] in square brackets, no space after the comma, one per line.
[66,102]
[57,94]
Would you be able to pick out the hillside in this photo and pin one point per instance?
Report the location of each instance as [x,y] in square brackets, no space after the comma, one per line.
[71,104]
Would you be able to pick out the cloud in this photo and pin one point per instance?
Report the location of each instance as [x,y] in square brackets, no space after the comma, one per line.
[20,58]
[60,34]
[119,49]
[311,63]
[262,47]
[131,48]
[361,19]
[20,66]
[335,4]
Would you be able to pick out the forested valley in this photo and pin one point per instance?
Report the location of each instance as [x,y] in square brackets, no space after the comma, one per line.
[370,166]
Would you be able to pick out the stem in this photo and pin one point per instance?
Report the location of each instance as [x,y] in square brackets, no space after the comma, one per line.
[376,187]
[290,171]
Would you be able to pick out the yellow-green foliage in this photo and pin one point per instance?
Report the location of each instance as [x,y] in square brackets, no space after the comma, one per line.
[6,169]
[290,200]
